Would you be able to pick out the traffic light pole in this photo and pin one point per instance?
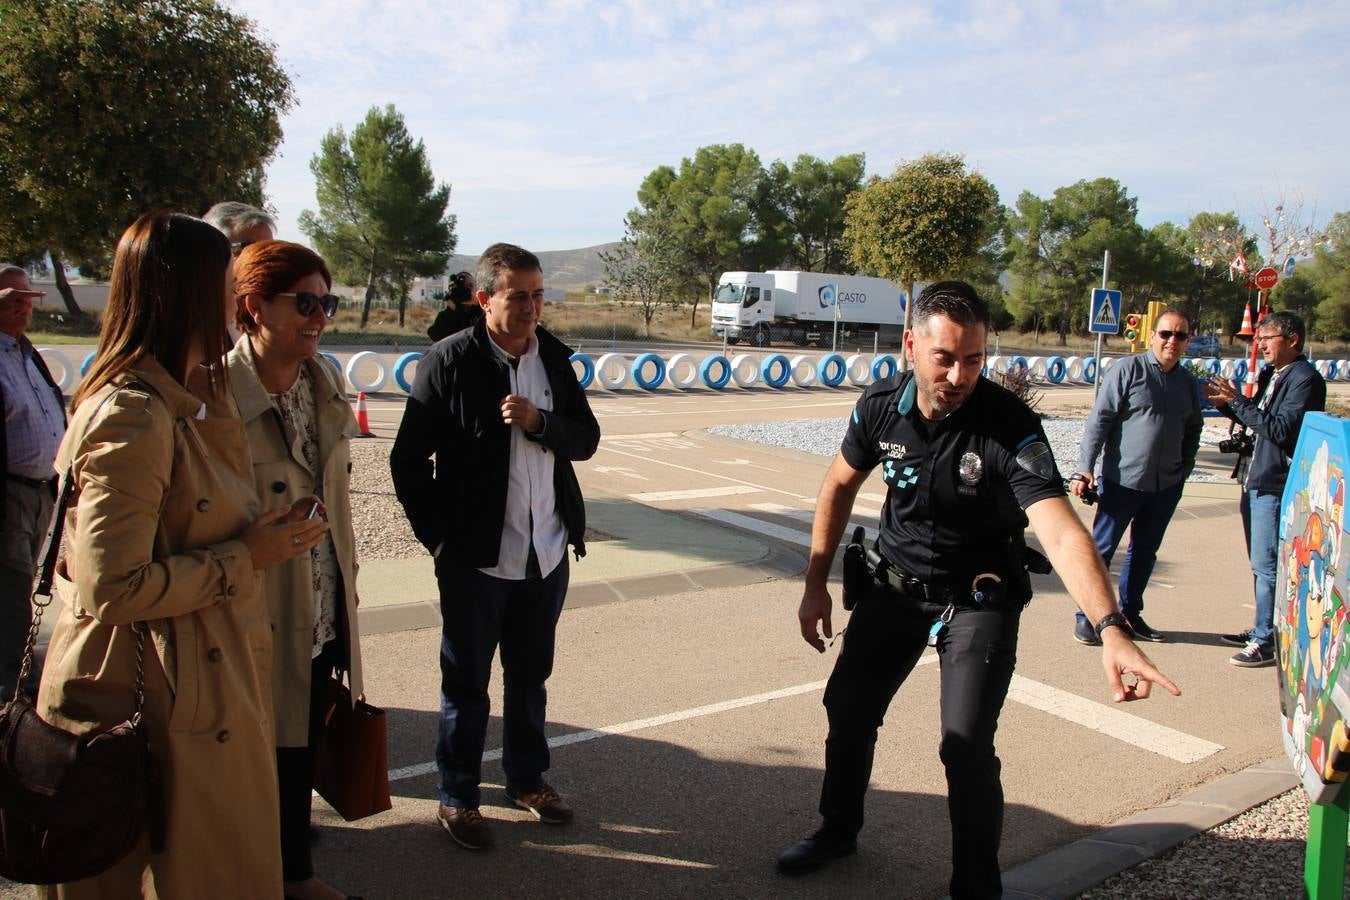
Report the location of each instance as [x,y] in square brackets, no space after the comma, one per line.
[1097,358]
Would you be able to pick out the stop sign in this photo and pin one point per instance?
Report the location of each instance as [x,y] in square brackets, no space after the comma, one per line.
[1267,278]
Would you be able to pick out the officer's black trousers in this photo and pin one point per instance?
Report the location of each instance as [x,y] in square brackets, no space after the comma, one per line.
[886,635]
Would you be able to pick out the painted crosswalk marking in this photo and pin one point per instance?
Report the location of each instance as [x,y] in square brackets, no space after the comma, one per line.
[694,493]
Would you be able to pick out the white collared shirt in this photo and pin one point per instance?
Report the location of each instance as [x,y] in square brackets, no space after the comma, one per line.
[531,507]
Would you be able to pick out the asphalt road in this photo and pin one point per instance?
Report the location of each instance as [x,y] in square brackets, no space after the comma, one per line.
[696,717]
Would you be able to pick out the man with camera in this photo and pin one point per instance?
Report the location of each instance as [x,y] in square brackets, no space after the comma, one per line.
[460,309]
[1286,389]
[966,465]
[1146,426]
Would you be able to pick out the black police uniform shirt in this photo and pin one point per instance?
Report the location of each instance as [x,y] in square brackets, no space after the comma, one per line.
[957,487]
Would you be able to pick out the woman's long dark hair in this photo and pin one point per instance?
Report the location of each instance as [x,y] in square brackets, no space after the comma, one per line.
[167,295]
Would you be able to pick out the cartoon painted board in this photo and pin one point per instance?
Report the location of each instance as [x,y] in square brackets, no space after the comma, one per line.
[1310,609]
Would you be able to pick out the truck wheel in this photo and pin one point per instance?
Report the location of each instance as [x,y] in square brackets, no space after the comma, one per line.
[760,336]
[799,337]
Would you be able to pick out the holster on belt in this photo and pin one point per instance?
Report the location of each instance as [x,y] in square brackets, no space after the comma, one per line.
[857,574]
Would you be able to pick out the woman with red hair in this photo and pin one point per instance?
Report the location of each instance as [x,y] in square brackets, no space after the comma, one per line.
[299,428]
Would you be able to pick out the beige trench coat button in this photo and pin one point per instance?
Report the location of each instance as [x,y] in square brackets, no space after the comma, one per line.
[203,505]
[214,654]
[232,590]
[223,735]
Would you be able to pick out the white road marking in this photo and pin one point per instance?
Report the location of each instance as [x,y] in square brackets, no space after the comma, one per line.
[595,851]
[1112,722]
[625,472]
[638,437]
[769,529]
[808,515]
[693,494]
[701,472]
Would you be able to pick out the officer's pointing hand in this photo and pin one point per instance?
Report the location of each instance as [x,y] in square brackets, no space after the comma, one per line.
[815,609]
[1120,657]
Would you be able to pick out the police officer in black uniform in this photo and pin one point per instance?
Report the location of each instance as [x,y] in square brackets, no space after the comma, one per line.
[966,465]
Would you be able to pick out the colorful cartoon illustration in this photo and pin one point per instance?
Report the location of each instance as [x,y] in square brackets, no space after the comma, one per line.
[1311,612]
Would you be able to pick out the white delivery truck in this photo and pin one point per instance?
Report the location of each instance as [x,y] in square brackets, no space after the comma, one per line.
[801,307]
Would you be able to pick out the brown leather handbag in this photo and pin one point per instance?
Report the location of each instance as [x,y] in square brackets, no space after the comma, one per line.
[71,805]
[351,761]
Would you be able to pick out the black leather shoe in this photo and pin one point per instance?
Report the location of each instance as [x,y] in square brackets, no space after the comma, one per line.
[811,853]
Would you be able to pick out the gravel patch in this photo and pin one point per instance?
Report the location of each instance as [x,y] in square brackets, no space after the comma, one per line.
[823,437]
[1256,855]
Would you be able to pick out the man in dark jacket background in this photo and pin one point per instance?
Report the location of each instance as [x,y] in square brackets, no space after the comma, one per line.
[1286,390]
[499,408]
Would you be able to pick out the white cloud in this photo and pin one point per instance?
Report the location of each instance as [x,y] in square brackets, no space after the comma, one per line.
[559,108]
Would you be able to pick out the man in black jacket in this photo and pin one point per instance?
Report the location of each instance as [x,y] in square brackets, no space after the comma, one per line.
[1287,389]
[499,407]
[34,422]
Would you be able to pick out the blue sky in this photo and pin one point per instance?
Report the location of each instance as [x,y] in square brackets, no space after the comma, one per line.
[544,117]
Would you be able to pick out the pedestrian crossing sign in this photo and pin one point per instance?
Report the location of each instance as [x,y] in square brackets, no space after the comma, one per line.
[1104,312]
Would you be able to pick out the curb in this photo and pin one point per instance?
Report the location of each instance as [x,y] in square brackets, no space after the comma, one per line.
[1070,870]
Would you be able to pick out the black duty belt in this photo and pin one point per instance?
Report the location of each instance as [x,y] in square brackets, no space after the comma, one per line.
[31,482]
[915,588]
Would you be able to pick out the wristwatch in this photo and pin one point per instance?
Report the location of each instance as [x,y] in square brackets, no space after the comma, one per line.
[1115,618]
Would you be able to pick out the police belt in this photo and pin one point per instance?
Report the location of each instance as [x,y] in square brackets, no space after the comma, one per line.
[986,590]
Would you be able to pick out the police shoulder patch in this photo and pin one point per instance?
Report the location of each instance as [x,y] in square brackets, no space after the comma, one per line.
[1037,458]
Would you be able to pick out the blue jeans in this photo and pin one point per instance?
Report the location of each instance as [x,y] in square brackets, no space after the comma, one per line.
[1261,525]
[477,613]
[1146,514]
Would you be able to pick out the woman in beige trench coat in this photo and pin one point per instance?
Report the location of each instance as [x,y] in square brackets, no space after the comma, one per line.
[299,428]
[165,531]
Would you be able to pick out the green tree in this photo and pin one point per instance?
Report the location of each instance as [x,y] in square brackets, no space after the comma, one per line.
[1059,245]
[109,108]
[381,217]
[927,221]
[714,206]
[1331,274]
[805,208]
[644,269]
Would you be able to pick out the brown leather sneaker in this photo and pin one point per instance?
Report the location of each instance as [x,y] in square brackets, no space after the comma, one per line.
[467,826]
[545,803]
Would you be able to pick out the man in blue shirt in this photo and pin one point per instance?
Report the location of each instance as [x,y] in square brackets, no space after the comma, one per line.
[1146,426]
[35,421]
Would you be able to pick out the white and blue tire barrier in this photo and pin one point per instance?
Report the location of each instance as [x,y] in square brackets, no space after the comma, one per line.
[1240,369]
[1074,369]
[353,372]
[587,369]
[858,370]
[832,370]
[401,370]
[51,355]
[883,367]
[640,366]
[1090,370]
[1036,367]
[775,370]
[744,370]
[88,361]
[803,371]
[1017,361]
[1107,363]
[1226,367]
[681,371]
[705,371]
[1056,369]
[1213,367]
[993,365]
[611,370]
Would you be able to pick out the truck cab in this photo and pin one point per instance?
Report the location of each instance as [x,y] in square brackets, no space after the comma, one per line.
[743,307]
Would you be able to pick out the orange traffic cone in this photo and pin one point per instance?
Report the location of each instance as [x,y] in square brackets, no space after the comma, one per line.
[362,417]
[1246,329]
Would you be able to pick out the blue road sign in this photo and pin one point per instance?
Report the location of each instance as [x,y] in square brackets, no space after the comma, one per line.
[1104,312]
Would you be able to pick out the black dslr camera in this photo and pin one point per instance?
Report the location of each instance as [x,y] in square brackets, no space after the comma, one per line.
[1239,441]
[460,292]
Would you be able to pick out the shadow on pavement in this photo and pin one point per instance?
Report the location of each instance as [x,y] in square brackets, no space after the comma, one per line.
[654,819]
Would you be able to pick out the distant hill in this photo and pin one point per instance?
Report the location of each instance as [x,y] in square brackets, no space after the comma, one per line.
[566,269]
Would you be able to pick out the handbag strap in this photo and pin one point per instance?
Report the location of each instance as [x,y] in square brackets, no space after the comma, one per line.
[42,591]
